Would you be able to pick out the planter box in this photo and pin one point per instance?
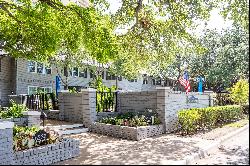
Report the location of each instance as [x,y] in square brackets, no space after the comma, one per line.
[48,154]
[132,133]
[18,121]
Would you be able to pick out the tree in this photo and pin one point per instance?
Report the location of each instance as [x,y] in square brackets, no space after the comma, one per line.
[226,58]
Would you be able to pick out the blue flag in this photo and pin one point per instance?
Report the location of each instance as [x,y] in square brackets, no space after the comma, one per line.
[57,85]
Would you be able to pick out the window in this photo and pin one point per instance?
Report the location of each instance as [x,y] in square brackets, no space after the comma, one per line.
[84,73]
[145,81]
[37,67]
[48,90]
[133,80]
[158,82]
[48,70]
[40,68]
[32,66]
[35,90]
[75,72]
[32,90]
[103,74]
[120,78]
[110,76]
[153,81]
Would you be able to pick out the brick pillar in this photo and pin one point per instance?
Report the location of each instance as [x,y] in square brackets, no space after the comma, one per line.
[33,118]
[89,106]
[162,94]
[6,143]
[78,107]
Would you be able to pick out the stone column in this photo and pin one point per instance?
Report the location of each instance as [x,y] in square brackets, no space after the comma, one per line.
[210,97]
[89,106]
[162,94]
[6,143]
[33,118]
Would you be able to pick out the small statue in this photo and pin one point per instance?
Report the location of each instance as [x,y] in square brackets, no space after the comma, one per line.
[200,80]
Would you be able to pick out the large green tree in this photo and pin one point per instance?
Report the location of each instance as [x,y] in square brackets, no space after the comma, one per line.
[155,31]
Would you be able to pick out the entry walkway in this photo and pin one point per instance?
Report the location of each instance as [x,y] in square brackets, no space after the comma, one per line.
[105,150]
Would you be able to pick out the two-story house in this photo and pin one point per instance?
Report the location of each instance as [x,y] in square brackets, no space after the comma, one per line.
[20,76]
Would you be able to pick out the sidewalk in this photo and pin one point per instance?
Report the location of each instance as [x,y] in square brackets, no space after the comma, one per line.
[165,149]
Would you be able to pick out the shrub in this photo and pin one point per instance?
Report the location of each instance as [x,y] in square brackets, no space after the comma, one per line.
[192,120]
[15,111]
[240,92]
[130,119]
[24,137]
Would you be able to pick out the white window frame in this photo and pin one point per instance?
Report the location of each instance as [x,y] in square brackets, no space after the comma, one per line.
[31,87]
[72,72]
[29,67]
[44,68]
[42,87]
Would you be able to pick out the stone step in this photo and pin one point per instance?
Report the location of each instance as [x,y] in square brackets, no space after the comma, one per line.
[73,131]
[62,127]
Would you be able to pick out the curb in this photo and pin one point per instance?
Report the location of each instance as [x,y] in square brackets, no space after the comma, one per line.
[204,151]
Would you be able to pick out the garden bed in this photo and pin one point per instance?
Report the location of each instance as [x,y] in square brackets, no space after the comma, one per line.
[126,132]
[48,154]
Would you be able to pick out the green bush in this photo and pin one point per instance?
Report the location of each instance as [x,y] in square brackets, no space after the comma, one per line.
[130,119]
[239,93]
[192,120]
[15,111]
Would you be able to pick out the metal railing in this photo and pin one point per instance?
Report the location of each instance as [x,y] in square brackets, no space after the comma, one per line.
[106,101]
[43,101]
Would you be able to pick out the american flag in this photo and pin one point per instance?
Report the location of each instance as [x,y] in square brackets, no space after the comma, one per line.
[185,82]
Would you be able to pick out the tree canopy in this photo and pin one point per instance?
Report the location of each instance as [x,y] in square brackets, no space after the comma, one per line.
[154,31]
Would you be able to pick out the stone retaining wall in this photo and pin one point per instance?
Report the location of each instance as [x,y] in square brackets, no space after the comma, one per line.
[18,121]
[43,155]
[48,154]
[132,133]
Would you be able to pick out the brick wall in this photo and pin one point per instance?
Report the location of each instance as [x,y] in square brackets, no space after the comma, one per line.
[78,107]
[137,101]
[6,143]
[7,79]
[169,103]
[25,78]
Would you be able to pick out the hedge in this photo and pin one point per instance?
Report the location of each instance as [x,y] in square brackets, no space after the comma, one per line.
[192,120]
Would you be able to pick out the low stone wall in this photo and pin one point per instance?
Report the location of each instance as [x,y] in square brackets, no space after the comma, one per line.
[52,114]
[18,121]
[132,133]
[48,154]
[6,142]
[43,155]
[137,101]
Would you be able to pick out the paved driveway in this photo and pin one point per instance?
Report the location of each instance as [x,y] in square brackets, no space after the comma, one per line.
[234,151]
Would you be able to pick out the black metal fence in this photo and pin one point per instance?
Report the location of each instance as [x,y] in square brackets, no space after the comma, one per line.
[106,101]
[43,101]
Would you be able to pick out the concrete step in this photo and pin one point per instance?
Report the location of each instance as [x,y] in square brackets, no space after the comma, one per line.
[62,127]
[73,131]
